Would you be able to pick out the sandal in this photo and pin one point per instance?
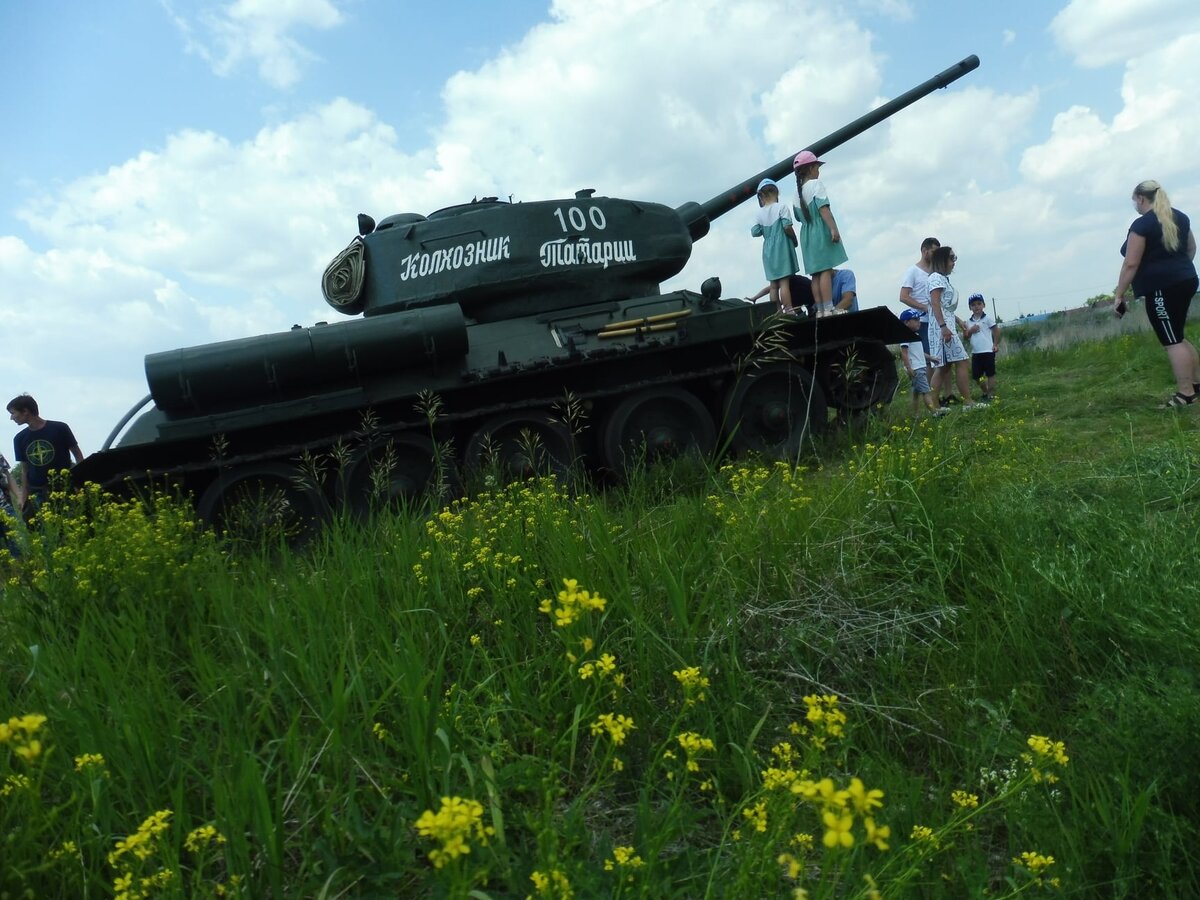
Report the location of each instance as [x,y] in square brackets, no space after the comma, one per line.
[1179,400]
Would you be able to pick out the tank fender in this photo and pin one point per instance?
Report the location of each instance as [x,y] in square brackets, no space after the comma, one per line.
[250,371]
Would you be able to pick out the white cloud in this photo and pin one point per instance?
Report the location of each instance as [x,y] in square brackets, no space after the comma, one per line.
[1102,32]
[1155,131]
[260,32]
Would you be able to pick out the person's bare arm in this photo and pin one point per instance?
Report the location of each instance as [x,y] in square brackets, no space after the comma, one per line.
[827,216]
[77,453]
[907,300]
[20,487]
[1135,246]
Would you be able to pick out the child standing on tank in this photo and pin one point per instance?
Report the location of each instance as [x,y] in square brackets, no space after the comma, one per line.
[774,225]
[820,241]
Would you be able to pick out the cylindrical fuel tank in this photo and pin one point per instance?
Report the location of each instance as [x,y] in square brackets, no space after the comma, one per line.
[250,371]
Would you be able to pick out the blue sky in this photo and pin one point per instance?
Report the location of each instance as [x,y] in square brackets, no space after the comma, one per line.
[175,173]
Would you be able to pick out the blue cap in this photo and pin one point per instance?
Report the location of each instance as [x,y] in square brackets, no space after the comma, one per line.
[909,314]
[766,182]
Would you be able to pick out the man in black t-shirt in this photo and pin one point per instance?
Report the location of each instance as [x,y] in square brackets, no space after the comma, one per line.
[41,447]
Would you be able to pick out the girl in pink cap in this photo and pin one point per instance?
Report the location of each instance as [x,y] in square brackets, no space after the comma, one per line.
[820,241]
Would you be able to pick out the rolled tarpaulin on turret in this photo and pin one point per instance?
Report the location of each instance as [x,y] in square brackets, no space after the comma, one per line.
[254,370]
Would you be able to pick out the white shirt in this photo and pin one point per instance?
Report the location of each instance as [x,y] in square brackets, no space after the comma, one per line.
[916,280]
[916,355]
[812,189]
[981,340]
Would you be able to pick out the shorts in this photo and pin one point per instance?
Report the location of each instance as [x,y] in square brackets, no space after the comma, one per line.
[943,353]
[920,381]
[1167,309]
[983,364]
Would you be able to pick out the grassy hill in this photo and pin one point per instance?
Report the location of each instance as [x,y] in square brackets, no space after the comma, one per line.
[990,618]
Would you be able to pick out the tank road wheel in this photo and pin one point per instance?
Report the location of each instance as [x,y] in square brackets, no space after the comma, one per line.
[773,409]
[390,472]
[264,500]
[523,443]
[657,423]
[859,377]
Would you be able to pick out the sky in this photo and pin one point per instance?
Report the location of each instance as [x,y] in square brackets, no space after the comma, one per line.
[177,172]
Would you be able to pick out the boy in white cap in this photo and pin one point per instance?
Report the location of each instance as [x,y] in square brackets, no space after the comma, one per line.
[774,225]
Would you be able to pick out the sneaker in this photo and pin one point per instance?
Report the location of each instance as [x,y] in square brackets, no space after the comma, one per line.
[941,411]
[944,402]
[951,400]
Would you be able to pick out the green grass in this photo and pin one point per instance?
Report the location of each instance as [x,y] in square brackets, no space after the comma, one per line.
[958,584]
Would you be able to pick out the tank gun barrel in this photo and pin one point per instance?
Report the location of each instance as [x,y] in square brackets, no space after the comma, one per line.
[697,216]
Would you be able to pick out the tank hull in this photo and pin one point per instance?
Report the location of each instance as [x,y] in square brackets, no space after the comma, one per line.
[516,372]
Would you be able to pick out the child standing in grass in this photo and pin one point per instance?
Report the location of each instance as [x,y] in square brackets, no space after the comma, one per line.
[982,329]
[774,225]
[913,357]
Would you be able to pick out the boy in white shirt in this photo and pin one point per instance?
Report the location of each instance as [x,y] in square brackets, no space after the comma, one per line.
[913,357]
[982,330]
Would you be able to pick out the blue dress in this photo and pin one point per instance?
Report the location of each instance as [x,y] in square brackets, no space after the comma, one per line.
[779,258]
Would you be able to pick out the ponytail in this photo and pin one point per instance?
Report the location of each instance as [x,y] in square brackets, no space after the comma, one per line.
[1161,207]
[800,190]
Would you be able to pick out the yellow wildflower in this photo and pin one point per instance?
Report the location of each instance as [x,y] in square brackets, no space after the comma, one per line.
[924,834]
[757,816]
[877,835]
[837,829]
[1034,863]
[625,858]
[965,800]
[616,725]
[199,838]
[455,821]
[864,801]
[792,866]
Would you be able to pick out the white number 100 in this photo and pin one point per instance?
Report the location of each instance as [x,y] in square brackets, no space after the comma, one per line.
[578,221]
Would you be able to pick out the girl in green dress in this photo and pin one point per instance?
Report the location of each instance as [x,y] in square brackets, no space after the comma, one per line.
[774,225]
[820,241]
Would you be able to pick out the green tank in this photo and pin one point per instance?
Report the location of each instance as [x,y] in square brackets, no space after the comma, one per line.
[531,335]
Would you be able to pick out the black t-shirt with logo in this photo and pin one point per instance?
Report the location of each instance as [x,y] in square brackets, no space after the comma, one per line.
[40,451]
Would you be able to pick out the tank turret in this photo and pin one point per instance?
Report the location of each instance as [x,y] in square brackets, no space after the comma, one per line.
[502,260]
[529,336]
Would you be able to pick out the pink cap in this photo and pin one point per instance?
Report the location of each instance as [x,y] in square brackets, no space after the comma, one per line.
[806,158]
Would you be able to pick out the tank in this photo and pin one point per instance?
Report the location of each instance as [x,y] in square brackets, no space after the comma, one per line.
[532,336]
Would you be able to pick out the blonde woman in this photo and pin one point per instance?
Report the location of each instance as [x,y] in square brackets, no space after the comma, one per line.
[1160,252]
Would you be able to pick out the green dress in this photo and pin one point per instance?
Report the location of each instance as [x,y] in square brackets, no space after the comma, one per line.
[816,243]
[779,258]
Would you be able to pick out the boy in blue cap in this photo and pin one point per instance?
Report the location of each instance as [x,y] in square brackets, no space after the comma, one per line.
[982,330]
[913,357]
